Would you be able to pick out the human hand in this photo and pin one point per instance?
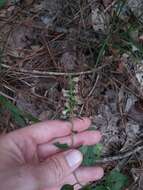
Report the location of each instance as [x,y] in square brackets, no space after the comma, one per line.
[30,161]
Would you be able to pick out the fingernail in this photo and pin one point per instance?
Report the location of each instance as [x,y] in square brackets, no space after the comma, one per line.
[74,158]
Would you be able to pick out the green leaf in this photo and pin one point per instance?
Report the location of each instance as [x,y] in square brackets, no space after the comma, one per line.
[116,180]
[61,146]
[83,149]
[91,154]
[67,187]
[92,129]
[18,119]
[30,117]
[100,187]
[87,187]
[97,149]
[88,155]
[2,3]
[17,115]
[15,112]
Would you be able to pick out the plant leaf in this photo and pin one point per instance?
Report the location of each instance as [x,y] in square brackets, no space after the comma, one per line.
[91,154]
[15,112]
[100,187]
[30,117]
[18,115]
[2,3]
[116,180]
[87,187]
[97,149]
[113,181]
[67,187]
[61,146]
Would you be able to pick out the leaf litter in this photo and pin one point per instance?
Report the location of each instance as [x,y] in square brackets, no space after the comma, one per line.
[104,37]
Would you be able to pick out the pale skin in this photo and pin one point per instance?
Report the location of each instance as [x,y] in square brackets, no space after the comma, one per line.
[29,160]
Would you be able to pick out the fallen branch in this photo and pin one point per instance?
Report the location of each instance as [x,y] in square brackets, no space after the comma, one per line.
[121,155]
[51,73]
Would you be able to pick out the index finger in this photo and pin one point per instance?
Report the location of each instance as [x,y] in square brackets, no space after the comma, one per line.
[48,130]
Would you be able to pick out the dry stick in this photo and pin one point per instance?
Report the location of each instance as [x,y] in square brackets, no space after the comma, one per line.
[9,88]
[110,6]
[49,51]
[6,96]
[78,14]
[121,155]
[94,86]
[50,73]
[9,20]
[90,93]
[126,87]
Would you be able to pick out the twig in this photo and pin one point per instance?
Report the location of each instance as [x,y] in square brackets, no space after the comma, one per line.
[8,97]
[49,51]
[110,6]
[90,93]
[7,87]
[127,88]
[138,95]
[49,73]
[94,86]
[121,155]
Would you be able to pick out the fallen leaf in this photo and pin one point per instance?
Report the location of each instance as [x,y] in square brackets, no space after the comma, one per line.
[20,37]
[100,20]
[28,2]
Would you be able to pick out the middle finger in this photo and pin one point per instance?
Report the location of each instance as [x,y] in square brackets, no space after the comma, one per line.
[84,138]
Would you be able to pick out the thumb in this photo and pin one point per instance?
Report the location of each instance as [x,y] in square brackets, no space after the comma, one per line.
[53,171]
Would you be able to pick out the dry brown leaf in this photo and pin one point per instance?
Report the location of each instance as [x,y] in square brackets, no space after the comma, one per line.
[19,37]
[100,20]
[28,2]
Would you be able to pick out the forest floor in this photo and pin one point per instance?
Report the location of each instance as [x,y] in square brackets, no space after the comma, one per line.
[85,54]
